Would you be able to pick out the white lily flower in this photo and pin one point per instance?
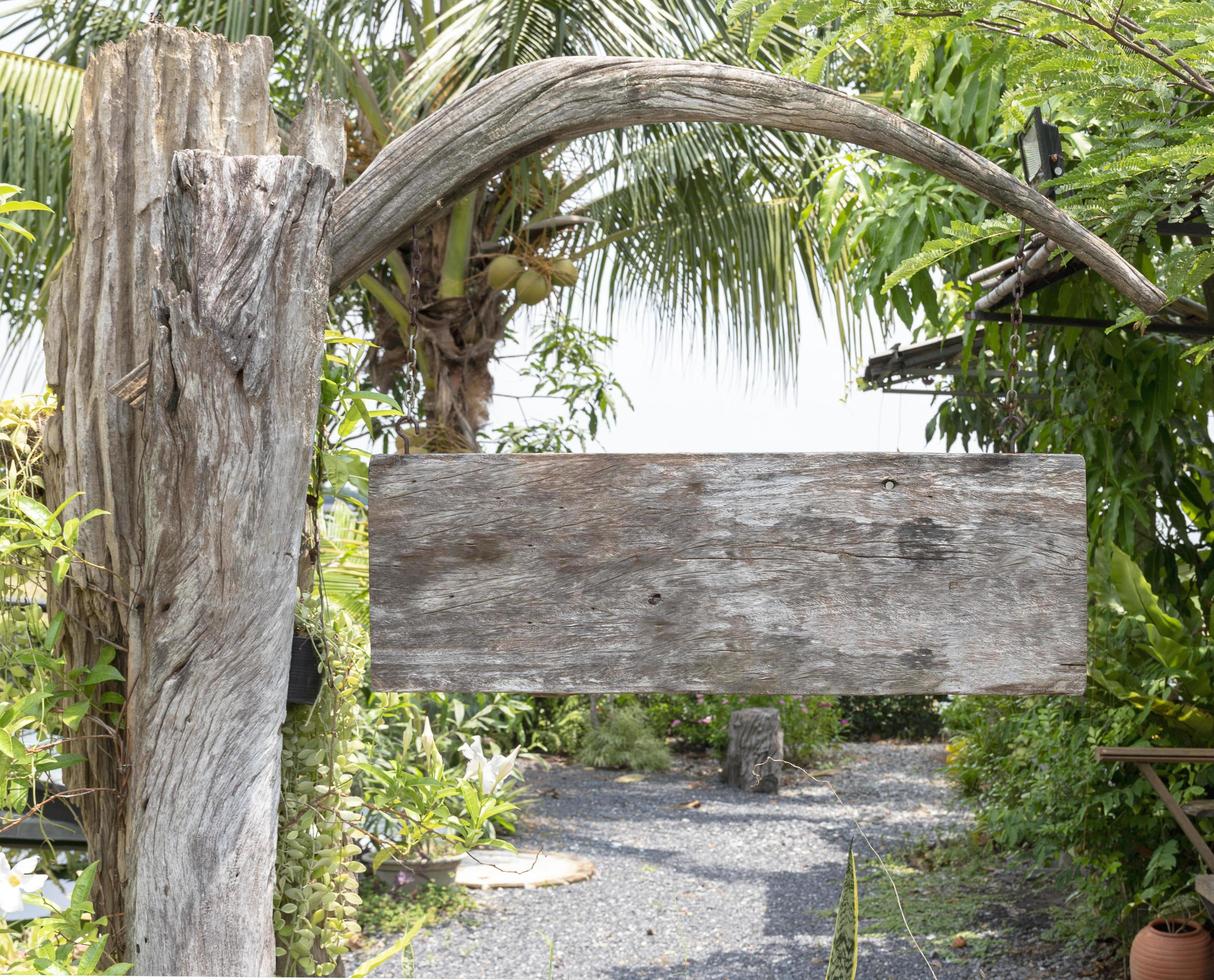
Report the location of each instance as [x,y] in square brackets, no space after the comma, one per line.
[16,880]
[427,739]
[489,773]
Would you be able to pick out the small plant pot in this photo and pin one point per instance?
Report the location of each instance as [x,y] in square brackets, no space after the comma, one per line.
[1172,949]
[406,877]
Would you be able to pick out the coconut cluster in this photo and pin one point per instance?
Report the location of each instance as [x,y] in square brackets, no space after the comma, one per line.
[532,278]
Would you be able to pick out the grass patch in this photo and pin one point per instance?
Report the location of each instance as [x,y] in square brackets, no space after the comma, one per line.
[385,912]
[963,899]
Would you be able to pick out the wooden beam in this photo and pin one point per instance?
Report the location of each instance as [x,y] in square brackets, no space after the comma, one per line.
[863,573]
[1140,753]
[524,109]
[1178,814]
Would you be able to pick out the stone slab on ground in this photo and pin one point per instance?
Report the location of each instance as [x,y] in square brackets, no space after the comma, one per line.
[521,869]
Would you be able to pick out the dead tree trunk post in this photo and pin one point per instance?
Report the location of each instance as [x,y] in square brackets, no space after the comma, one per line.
[162,90]
[755,750]
[231,400]
[214,266]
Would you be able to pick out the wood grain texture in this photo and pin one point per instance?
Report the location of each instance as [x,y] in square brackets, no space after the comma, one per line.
[834,573]
[755,751]
[159,91]
[232,399]
[527,108]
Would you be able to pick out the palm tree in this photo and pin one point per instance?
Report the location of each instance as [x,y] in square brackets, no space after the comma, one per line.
[705,224]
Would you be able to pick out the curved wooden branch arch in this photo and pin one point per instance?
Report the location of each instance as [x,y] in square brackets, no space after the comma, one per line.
[536,105]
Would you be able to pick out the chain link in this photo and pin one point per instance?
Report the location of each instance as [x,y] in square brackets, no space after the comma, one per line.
[412,409]
[1013,423]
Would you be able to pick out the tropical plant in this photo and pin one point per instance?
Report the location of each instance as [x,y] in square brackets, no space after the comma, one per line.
[38,105]
[702,222]
[1030,762]
[564,365]
[845,943]
[624,740]
[1129,86]
[67,941]
[906,716]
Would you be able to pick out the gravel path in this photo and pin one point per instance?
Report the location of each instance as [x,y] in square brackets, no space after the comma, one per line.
[736,887]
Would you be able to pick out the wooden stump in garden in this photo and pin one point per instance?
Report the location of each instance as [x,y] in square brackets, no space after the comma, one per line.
[756,750]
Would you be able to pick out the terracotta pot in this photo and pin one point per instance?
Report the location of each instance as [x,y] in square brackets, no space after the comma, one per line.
[1172,949]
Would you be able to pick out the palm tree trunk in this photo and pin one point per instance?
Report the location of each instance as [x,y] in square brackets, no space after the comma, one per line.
[456,322]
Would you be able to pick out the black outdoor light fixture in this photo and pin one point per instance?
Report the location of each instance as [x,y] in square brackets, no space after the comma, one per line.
[1041,152]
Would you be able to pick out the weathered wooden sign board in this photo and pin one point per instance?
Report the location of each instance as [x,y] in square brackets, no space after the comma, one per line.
[858,573]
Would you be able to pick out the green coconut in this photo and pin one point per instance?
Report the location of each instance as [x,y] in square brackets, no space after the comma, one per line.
[503,271]
[564,272]
[532,288]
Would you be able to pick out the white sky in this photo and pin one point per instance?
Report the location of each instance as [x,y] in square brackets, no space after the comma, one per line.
[682,403]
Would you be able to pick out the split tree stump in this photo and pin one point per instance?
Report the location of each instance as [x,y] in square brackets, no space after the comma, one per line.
[198,277]
[756,750]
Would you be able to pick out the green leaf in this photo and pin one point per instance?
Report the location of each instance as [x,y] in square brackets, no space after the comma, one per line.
[845,945]
[100,674]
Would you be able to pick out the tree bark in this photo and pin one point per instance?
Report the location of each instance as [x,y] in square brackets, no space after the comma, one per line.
[232,399]
[755,750]
[421,173]
[159,91]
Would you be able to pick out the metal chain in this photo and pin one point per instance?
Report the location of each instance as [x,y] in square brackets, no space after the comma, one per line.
[412,410]
[1013,422]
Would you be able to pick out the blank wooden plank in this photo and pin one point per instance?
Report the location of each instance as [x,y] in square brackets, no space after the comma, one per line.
[860,573]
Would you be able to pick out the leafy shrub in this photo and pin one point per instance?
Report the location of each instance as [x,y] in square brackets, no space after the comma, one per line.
[700,722]
[1030,765]
[624,740]
[915,717]
[69,940]
[556,724]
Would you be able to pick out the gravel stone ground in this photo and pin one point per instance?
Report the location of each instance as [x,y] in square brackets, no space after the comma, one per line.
[741,886]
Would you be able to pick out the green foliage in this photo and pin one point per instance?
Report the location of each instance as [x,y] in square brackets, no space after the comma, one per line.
[701,222]
[624,740]
[69,941]
[915,717]
[700,722]
[385,912]
[38,104]
[965,887]
[845,943]
[554,724]
[316,890]
[1136,408]
[43,701]
[564,364]
[1131,87]
[1030,763]
[413,790]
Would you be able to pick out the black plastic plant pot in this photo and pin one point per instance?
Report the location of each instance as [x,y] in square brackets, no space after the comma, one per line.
[303,681]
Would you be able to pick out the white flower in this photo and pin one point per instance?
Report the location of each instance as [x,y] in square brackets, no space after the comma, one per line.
[16,880]
[490,773]
[426,739]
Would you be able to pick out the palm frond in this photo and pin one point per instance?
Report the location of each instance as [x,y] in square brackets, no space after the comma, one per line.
[38,104]
[710,225]
[343,572]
